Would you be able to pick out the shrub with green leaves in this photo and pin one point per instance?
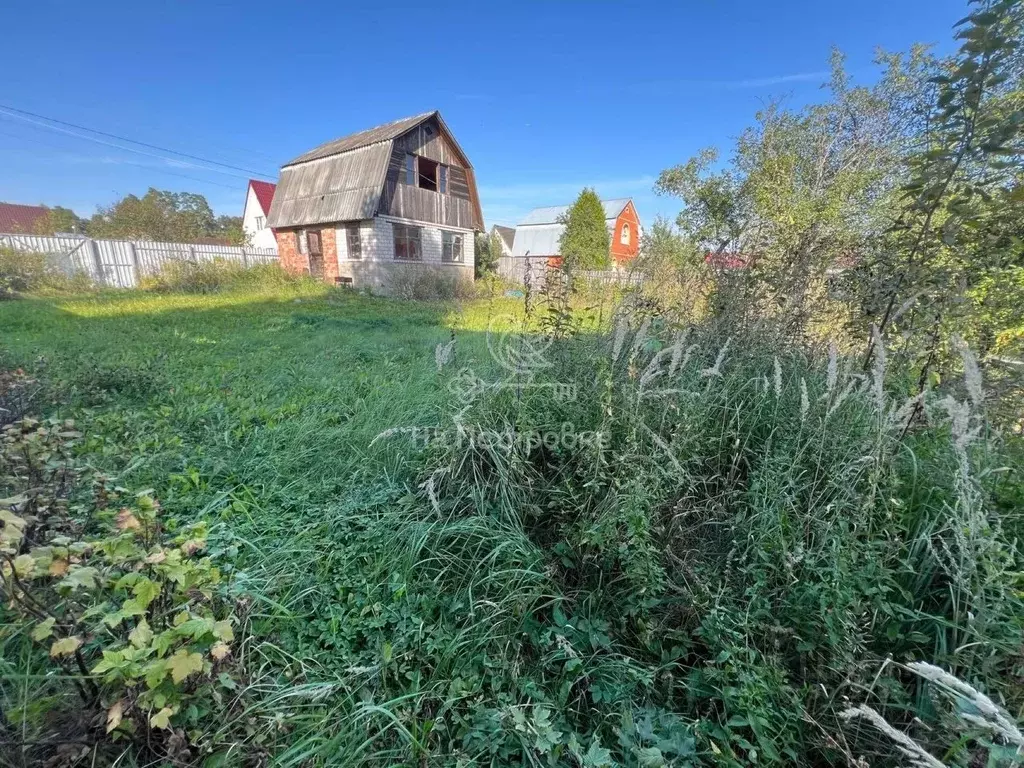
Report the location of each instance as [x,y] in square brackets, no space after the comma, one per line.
[129,610]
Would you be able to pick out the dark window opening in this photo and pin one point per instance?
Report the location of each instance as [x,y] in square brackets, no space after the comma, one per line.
[427,174]
[442,179]
[407,242]
[410,170]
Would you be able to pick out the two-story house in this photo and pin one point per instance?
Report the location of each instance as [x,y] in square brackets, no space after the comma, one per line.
[258,198]
[400,196]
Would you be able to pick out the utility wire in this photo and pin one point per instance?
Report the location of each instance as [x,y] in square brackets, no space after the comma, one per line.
[25,113]
[158,169]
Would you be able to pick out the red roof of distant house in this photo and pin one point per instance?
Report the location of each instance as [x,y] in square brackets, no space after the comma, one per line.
[727,260]
[264,193]
[20,218]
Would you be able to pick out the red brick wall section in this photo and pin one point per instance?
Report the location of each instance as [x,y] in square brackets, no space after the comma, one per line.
[298,263]
[288,252]
[329,243]
[624,253]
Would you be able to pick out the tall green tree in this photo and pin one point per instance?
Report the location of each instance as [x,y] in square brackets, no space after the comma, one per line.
[585,243]
[157,215]
[59,219]
[485,255]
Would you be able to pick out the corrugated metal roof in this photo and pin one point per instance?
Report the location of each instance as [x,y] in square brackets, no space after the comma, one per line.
[380,133]
[20,218]
[344,187]
[542,239]
[549,215]
[539,232]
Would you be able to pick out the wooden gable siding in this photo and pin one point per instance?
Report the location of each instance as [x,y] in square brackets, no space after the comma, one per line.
[428,140]
[457,208]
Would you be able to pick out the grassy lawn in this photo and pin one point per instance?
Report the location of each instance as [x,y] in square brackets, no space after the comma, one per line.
[256,410]
[753,531]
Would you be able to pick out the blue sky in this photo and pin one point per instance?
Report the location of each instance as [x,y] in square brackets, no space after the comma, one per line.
[544,97]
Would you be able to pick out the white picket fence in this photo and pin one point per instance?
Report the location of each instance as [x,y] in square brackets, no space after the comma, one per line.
[515,270]
[123,263]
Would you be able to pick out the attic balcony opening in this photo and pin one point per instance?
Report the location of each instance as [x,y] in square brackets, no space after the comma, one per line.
[427,174]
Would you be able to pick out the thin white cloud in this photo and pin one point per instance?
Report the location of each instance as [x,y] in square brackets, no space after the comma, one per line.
[762,82]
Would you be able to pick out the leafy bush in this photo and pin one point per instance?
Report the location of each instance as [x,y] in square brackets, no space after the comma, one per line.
[129,611]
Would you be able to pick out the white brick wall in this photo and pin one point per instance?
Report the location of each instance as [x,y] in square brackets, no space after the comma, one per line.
[378,242]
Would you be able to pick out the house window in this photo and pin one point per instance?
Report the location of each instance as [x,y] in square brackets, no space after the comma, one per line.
[259,222]
[427,174]
[354,241]
[624,237]
[407,242]
[451,248]
[410,170]
[442,179]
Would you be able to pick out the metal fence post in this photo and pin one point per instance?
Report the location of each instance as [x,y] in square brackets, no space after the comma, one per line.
[245,259]
[94,248]
[135,263]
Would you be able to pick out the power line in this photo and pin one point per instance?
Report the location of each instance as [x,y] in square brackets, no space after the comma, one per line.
[128,162]
[130,141]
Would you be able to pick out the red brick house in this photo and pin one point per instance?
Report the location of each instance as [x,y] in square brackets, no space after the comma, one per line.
[537,235]
[398,198]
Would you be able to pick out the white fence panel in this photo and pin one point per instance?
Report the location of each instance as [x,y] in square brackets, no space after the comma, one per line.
[122,263]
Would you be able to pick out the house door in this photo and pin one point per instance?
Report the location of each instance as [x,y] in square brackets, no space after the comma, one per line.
[316,254]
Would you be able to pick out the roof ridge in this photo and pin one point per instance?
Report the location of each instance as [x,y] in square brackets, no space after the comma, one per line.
[378,134]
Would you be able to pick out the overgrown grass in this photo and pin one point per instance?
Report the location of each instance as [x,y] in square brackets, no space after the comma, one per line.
[750,546]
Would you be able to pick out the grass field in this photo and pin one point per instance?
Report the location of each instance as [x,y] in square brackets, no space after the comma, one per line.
[710,587]
[257,410]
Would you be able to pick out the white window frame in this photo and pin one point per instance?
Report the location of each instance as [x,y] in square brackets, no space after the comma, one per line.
[404,232]
[625,236]
[453,247]
[354,233]
[260,221]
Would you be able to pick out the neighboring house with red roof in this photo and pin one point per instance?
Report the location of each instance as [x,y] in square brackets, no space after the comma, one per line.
[20,219]
[258,198]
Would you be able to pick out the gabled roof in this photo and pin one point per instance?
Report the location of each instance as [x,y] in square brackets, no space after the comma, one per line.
[375,135]
[21,219]
[343,180]
[507,234]
[264,192]
[549,215]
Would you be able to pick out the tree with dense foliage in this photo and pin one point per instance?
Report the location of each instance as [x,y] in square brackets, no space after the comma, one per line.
[584,244]
[58,220]
[485,255]
[162,215]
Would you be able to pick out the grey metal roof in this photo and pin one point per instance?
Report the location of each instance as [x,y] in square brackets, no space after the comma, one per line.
[380,133]
[539,232]
[343,187]
[549,215]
